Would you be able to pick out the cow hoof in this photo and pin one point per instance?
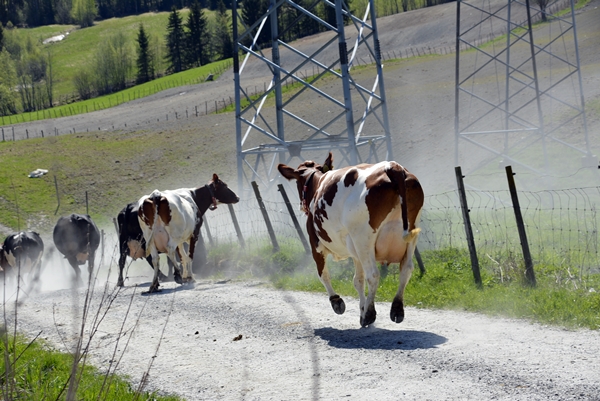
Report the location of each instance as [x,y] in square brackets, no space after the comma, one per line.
[369,318]
[397,311]
[188,280]
[337,303]
[120,283]
[177,278]
[152,290]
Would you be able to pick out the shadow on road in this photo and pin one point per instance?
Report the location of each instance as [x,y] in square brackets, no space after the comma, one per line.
[375,338]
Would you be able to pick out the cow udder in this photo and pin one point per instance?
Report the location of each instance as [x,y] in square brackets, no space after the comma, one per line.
[135,249]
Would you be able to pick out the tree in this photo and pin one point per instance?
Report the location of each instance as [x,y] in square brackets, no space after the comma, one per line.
[196,37]
[222,41]
[84,12]
[8,81]
[112,65]
[31,69]
[542,4]
[62,11]
[252,11]
[145,66]
[175,42]
[1,37]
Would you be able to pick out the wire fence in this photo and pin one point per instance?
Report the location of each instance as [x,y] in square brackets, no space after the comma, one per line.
[561,226]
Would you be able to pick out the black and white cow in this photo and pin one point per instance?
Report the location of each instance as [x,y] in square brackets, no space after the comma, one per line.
[132,243]
[77,238]
[21,254]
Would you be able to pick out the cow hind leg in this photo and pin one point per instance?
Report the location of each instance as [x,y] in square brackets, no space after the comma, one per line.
[406,269]
[156,262]
[359,283]
[74,264]
[368,313]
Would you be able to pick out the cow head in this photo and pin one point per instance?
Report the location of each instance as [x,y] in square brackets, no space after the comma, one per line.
[306,175]
[220,192]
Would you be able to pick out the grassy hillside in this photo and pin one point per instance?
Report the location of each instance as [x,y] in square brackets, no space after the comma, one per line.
[113,168]
[80,45]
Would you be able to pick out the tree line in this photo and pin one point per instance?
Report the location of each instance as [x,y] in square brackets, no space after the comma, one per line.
[33,13]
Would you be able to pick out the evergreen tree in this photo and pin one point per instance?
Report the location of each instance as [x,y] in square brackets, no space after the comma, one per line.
[196,37]
[223,43]
[175,42]
[252,10]
[62,11]
[144,62]
[1,37]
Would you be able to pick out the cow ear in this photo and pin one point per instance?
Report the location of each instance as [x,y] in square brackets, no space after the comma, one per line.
[288,172]
[328,165]
[215,178]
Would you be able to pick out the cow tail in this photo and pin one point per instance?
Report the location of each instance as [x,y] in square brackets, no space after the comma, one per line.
[397,175]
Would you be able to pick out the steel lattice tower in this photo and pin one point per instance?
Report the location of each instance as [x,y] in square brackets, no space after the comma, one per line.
[519,99]
[272,127]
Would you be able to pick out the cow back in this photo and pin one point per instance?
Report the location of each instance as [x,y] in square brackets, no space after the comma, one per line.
[73,234]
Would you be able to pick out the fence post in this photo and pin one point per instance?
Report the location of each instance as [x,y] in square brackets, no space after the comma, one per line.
[57,196]
[261,205]
[2,134]
[236,225]
[468,229]
[210,238]
[419,261]
[529,273]
[294,219]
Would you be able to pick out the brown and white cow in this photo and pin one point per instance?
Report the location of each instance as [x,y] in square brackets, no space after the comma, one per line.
[170,219]
[368,212]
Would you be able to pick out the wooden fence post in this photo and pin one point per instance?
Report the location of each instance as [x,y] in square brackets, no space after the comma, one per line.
[294,219]
[419,261]
[529,273]
[210,238]
[261,205]
[236,225]
[57,196]
[468,229]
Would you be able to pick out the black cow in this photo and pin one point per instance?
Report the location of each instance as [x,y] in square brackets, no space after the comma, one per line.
[21,253]
[132,243]
[77,238]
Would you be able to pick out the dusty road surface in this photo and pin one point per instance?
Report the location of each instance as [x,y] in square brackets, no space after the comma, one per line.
[235,340]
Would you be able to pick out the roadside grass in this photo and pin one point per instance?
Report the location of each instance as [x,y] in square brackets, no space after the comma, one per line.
[189,77]
[39,373]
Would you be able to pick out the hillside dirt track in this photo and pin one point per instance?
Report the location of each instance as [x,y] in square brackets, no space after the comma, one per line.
[293,346]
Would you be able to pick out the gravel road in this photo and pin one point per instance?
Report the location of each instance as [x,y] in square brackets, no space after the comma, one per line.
[236,340]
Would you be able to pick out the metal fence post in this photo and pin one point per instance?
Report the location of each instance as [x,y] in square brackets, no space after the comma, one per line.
[261,205]
[529,273]
[294,219]
[468,229]
[236,225]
